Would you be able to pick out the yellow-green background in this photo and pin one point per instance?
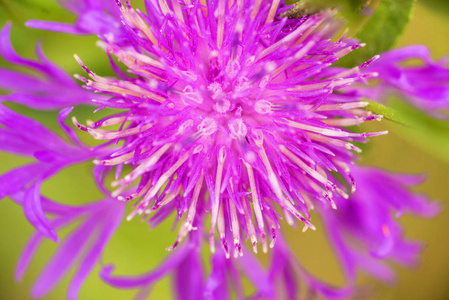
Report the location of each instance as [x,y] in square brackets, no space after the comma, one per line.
[134,249]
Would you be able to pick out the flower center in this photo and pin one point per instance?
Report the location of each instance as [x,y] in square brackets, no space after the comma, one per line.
[226,95]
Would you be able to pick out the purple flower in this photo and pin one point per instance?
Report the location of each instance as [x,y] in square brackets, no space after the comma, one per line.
[425,85]
[364,231]
[227,111]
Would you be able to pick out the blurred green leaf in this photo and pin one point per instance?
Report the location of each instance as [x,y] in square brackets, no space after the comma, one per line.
[388,113]
[382,30]
[424,131]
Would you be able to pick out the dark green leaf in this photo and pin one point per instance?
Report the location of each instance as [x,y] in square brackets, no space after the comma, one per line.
[382,30]
[438,5]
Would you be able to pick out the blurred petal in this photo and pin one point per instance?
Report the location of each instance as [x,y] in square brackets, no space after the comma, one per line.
[425,85]
[51,88]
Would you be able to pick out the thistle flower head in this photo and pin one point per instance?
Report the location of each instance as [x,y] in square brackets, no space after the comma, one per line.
[229,109]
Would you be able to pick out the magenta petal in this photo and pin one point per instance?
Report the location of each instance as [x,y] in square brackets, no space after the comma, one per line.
[10,142]
[31,248]
[75,6]
[69,131]
[55,208]
[16,179]
[56,26]
[94,17]
[374,267]
[188,278]
[217,285]
[35,214]
[33,132]
[27,254]
[53,71]
[63,259]
[51,88]
[8,53]
[106,229]
[87,242]
[259,277]
[13,80]
[345,256]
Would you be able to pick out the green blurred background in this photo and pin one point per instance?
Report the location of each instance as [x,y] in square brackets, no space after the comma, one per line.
[135,249]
